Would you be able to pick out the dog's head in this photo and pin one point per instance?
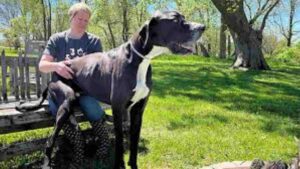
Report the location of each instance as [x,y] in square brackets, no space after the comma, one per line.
[170,29]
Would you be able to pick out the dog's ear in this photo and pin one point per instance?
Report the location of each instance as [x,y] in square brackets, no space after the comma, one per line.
[146,30]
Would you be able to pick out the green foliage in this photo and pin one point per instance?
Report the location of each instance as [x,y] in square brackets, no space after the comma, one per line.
[60,16]
[288,55]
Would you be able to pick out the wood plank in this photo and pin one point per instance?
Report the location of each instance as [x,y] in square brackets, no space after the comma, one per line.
[37,78]
[12,78]
[27,78]
[4,73]
[21,71]
[12,120]
[16,81]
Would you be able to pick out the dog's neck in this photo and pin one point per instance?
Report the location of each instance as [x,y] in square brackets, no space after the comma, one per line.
[140,47]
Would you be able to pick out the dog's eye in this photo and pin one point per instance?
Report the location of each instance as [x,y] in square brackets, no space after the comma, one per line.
[176,20]
[179,21]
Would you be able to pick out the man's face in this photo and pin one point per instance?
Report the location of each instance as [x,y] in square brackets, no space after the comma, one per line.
[80,21]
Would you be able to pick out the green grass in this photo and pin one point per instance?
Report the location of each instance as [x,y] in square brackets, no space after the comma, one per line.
[201,112]
[9,51]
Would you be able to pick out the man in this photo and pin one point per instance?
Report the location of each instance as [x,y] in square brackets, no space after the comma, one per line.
[62,47]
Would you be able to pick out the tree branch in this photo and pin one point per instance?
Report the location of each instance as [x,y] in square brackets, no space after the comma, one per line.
[267,14]
[259,12]
[249,8]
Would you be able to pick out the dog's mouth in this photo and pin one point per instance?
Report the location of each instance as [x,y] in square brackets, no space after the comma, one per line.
[182,48]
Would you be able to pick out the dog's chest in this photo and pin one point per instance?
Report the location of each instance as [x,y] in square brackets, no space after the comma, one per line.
[141,90]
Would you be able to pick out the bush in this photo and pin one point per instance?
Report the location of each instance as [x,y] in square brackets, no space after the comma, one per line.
[288,54]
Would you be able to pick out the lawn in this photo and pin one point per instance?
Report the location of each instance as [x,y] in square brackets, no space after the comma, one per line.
[201,112]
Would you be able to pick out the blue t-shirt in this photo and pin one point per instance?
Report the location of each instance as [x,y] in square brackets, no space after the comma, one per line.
[61,46]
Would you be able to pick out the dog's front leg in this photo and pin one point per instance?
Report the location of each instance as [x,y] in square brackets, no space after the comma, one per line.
[118,111]
[136,115]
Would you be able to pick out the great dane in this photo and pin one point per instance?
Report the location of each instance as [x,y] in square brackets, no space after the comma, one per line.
[121,77]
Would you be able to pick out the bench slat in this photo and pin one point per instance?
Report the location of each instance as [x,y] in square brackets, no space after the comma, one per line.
[13,121]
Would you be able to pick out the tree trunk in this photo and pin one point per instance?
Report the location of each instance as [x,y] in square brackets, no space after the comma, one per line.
[44,20]
[248,52]
[222,49]
[113,41]
[228,46]
[49,20]
[203,50]
[247,41]
[125,31]
[291,22]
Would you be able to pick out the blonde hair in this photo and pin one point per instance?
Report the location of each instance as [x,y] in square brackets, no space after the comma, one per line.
[74,9]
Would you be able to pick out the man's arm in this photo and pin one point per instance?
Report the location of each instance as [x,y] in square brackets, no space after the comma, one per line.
[47,65]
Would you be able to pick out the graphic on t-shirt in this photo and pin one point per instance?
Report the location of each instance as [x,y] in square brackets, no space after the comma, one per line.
[75,53]
[72,52]
[80,52]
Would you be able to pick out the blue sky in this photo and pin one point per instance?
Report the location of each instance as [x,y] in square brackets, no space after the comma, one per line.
[172,5]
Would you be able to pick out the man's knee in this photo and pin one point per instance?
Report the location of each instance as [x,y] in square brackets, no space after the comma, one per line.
[91,108]
[52,107]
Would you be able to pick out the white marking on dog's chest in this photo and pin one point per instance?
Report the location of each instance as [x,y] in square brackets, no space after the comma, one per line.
[141,90]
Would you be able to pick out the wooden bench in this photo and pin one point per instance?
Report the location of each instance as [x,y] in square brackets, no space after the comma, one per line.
[21,80]
[15,121]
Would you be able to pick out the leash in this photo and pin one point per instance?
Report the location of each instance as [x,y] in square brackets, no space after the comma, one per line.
[147,36]
[137,52]
[145,43]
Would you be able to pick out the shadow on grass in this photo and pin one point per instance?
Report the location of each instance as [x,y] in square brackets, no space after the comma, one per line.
[142,147]
[189,121]
[248,91]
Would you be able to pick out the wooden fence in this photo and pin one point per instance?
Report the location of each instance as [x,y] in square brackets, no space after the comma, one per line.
[21,78]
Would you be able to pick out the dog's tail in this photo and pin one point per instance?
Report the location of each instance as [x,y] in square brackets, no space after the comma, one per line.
[24,107]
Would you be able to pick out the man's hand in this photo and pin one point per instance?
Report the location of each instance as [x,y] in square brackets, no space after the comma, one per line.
[63,70]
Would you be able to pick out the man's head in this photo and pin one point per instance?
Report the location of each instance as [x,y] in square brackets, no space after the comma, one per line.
[79,14]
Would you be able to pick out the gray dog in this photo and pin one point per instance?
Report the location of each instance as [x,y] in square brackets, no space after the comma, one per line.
[122,78]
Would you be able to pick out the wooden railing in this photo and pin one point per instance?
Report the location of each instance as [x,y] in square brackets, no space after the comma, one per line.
[21,78]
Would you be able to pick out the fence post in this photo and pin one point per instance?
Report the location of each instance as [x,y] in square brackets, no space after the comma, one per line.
[4,73]
[37,78]
[27,84]
[21,71]
[12,70]
[16,81]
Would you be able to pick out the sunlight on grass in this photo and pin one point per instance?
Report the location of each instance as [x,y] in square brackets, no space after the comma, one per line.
[201,112]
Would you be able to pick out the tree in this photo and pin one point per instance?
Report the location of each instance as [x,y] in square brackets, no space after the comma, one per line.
[44,20]
[222,51]
[288,9]
[12,39]
[9,9]
[125,21]
[202,11]
[61,17]
[247,39]
[106,18]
